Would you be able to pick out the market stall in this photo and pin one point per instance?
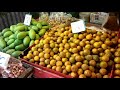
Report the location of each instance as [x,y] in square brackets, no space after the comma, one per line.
[59,45]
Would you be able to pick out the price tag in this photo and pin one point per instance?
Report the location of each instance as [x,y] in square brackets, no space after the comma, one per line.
[78,26]
[27,19]
[4,58]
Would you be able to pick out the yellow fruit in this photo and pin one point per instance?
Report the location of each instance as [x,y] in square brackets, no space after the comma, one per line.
[108,42]
[42,59]
[79,48]
[36,58]
[54,67]
[35,53]
[29,55]
[104,46]
[75,35]
[47,50]
[73,45]
[61,49]
[46,55]
[59,63]
[68,55]
[97,45]
[82,76]
[74,50]
[49,66]
[64,41]
[59,69]
[52,62]
[55,50]
[103,71]
[80,71]
[64,72]
[105,58]
[42,63]
[63,67]
[68,68]
[47,61]
[74,68]
[58,58]
[103,64]
[88,46]
[59,40]
[92,62]
[97,38]
[95,51]
[81,36]
[41,54]
[117,60]
[82,43]
[67,46]
[88,73]
[31,60]
[91,68]
[34,49]
[36,41]
[76,41]
[67,63]
[54,56]
[85,67]
[52,45]
[73,74]
[72,59]
[64,60]
[89,37]
[62,54]
[79,58]
[93,75]
[39,50]
[92,42]
[51,53]
[86,52]
[46,46]
[78,64]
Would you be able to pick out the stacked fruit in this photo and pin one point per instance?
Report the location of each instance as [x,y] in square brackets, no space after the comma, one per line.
[15,39]
[116,73]
[89,54]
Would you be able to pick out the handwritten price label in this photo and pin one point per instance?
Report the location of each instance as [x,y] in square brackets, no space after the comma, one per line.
[4,58]
[27,19]
[78,26]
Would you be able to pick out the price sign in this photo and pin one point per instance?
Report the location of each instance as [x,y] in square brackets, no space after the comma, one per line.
[27,19]
[4,58]
[78,26]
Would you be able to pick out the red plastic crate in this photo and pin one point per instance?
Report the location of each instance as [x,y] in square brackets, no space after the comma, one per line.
[44,72]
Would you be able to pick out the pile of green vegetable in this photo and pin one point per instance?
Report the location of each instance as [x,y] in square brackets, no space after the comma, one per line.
[18,37]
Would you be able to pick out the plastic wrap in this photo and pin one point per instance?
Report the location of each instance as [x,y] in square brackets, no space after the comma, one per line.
[13,70]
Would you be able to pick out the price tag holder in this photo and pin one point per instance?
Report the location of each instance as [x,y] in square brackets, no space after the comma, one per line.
[78,26]
[4,58]
[27,19]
